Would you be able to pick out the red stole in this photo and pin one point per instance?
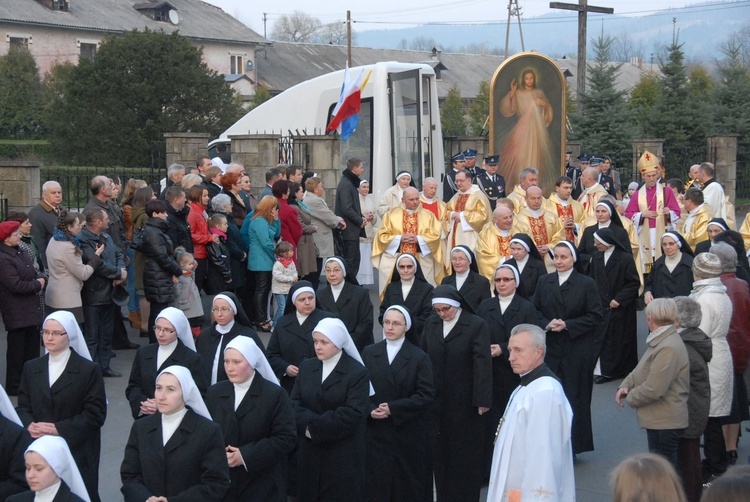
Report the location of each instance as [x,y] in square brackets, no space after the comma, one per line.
[433,208]
[565,212]
[539,230]
[410,227]
[504,244]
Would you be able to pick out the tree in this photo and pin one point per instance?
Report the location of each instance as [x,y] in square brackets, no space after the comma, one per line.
[261,96]
[623,48]
[422,43]
[603,122]
[114,109]
[295,27]
[21,103]
[479,109]
[732,93]
[452,117]
[643,100]
[334,34]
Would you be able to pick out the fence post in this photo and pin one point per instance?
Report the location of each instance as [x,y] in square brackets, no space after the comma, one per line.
[20,183]
[185,147]
[258,153]
[722,151]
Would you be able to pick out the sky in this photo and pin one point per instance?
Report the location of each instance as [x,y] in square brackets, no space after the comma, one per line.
[384,14]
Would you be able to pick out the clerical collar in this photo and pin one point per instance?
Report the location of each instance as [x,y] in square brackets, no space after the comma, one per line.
[504,233]
[410,282]
[336,288]
[329,365]
[462,275]
[411,211]
[606,224]
[672,261]
[563,276]
[301,318]
[607,253]
[48,494]
[592,186]
[226,328]
[534,212]
[168,347]
[691,213]
[564,202]
[540,371]
[427,199]
[63,356]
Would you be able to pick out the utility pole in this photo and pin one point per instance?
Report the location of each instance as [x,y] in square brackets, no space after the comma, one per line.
[349,37]
[583,9]
[265,18]
[513,10]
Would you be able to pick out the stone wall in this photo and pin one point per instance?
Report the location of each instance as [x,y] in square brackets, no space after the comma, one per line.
[20,183]
[723,153]
[185,147]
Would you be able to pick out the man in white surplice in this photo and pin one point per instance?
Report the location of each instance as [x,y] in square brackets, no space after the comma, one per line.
[533,457]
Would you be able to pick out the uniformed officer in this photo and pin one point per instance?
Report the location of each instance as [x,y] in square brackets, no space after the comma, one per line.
[574,173]
[605,180]
[449,181]
[471,163]
[491,183]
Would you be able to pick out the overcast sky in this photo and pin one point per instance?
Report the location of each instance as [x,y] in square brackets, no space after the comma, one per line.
[383,14]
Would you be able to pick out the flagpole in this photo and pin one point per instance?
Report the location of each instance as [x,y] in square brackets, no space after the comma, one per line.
[349,37]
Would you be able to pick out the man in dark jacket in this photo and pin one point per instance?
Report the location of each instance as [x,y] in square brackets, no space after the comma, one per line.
[96,294]
[178,228]
[101,195]
[348,207]
[44,217]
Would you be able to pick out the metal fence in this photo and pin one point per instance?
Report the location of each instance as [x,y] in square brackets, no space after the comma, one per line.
[294,150]
[743,170]
[3,207]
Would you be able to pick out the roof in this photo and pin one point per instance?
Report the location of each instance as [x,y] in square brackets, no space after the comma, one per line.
[286,64]
[198,20]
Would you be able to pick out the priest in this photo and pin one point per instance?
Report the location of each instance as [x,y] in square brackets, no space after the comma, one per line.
[533,457]
[493,246]
[546,228]
[411,229]
[695,226]
[432,203]
[592,190]
[528,177]
[569,210]
[467,212]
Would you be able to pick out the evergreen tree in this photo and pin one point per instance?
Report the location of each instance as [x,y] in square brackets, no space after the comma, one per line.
[479,110]
[21,102]
[643,101]
[604,124]
[452,119]
[732,94]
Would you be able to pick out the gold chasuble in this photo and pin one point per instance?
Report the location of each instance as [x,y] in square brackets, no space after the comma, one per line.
[387,244]
[474,210]
[546,229]
[494,247]
[573,209]
[694,228]
[590,197]
[745,231]
[518,196]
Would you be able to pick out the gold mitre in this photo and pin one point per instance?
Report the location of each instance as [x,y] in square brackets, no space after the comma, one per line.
[648,163]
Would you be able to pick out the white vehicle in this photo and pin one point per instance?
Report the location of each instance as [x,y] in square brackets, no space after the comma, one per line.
[399,122]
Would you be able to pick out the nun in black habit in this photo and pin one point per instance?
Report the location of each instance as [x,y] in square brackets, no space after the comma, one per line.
[466,278]
[409,288]
[672,273]
[614,271]
[529,263]
[606,217]
[398,467]
[572,317]
[347,300]
[230,321]
[14,439]
[713,228]
[458,345]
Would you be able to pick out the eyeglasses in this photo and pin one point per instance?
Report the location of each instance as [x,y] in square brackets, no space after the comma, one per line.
[168,331]
[54,334]
[442,310]
[393,323]
[504,279]
[223,310]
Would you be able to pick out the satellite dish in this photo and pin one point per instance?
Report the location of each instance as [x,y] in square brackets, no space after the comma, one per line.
[174,17]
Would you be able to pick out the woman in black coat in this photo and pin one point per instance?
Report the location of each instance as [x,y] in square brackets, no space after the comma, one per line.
[529,263]
[13,442]
[231,322]
[179,452]
[20,288]
[398,466]
[75,405]
[174,347]
[348,301]
[606,217]
[572,316]
[160,265]
[614,271]
[259,428]
[330,405]
[672,273]
[408,274]
[462,367]
[474,287]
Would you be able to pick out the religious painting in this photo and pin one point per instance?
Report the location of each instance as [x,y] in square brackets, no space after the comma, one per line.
[527,118]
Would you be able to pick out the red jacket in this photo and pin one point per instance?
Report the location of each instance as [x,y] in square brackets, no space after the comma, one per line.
[739,327]
[291,230]
[199,229]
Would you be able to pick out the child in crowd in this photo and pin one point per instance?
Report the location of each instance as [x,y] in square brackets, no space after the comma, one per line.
[219,271]
[188,297]
[284,275]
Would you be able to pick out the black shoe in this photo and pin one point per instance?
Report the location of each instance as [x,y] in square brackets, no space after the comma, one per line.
[110,373]
[128,346]
[602,379]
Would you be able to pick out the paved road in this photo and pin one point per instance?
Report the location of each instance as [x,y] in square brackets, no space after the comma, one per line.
[616,433]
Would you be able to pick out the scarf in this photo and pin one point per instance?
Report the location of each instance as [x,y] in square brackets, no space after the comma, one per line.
[59,235]
[304,207]
[712,285]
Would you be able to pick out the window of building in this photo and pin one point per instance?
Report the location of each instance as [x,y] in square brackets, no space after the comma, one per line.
[63,5]
[235,64]
[18,42]
[88,51]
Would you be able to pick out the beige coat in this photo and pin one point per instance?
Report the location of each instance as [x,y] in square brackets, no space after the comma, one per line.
[323,218]
[66,275]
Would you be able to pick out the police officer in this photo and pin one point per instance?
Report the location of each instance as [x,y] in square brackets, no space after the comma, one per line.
[491,183]
[605,180]
[574,172]
[449,181]
[471,163]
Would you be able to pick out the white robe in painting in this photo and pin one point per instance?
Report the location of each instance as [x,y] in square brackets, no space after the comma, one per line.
[533,453]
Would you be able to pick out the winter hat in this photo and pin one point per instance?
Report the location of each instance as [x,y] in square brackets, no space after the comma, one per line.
[707,266]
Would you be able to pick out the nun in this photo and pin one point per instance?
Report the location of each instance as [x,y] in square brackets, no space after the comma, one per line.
[392,197]
[292,341]
[348,301]
[409,288]
[51,473]
[672,273]
[530,265]
[62,394]
[465,277]
[330,400]
[606,216]
[713,228]
[572,316]
[458,345]
[175,347]
[230,322]
[614,271]
[398,466]
[13,442]
[176,453]
[257,419]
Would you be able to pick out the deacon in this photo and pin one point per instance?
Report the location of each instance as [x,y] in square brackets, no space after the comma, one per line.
[546,228]
[533,458]
[449,182]
[467,212]
[528,177]
[695,226]
[491,183]
[569,210]
[652,209]
[410,229]
[592,190]
[471,163]
[493,246]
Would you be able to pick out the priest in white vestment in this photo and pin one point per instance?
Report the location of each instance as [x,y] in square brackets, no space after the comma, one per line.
[533,457]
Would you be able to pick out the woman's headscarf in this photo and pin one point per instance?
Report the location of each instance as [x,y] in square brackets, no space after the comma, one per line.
[404,311]
[418,274]
[254,356]
[719,222]
[527,242]
[181,325]
[512,268]
[297,289]
[607,236]
[684,246]
[450,296]
[6,408]
[577,264]
[614,215]
[404,173]
[350,278]
[70,325]
[191,396]
[240,316]
[335,330]
[55,451]
[470,255]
